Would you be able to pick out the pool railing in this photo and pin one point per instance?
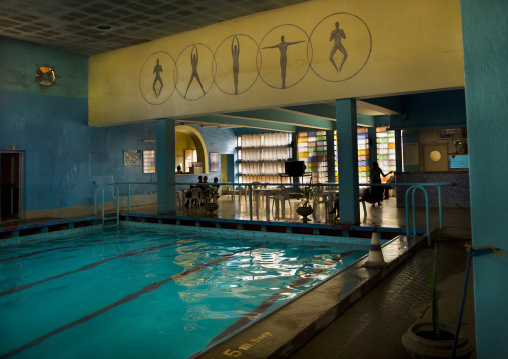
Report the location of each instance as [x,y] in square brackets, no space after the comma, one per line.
[412,188]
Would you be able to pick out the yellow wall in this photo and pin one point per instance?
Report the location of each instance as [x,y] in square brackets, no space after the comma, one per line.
[393,46]
[183,142]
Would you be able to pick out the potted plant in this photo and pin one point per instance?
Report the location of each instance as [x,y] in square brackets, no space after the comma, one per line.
[211,200]
[435,339]
[305,208]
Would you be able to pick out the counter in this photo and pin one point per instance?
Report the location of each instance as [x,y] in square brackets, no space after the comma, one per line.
[451,196]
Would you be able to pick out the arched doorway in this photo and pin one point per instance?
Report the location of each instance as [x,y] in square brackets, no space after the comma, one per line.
[188,138]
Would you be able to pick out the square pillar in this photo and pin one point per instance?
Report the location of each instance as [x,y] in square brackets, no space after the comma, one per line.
[330,155]
[165,166]
[398,151]
[347,150]
[372,145]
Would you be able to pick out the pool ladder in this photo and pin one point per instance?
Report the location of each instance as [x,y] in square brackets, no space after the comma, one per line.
[103,215]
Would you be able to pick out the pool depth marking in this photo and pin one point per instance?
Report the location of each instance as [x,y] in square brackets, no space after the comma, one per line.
[73,245]
[247,318]
[149,288]
[90,266]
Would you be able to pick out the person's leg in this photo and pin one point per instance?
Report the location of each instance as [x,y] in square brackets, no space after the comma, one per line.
[386,192]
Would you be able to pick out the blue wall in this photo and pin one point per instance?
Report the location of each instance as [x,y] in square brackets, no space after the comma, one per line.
[485,29]
[48,123]
[106,147]
[442,109]
[21,60]
[53,132]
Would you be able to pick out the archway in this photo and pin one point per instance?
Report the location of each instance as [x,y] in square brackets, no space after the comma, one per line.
[199,144]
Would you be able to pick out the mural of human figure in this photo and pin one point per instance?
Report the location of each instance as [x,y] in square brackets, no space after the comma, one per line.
[157,69]
[283,56]
[194,64]
[337,35]
[235,52]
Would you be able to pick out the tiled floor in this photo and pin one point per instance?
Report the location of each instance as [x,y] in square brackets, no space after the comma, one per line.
[388,215]
[374,326]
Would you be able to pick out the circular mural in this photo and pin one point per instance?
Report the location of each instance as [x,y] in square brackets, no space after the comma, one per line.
[156,78]
[339,47]
[282,59]
[235,67]
[193,73]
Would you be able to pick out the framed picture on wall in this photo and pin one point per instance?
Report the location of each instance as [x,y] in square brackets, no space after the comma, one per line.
[445,135]
[214,161]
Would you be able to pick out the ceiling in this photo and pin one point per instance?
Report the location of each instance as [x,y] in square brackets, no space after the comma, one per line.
[72,25]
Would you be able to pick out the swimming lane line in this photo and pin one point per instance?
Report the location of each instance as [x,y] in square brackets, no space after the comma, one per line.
[73,245]
[149,288]
[88,266]
[247,318]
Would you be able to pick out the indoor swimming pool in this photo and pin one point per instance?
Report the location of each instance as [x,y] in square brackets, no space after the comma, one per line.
[141,294]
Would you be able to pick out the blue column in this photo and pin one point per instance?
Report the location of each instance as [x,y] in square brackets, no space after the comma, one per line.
[330,153]
[294,148]
[398,151]
[165,166]
[372,145]
[484,29]
[347,148]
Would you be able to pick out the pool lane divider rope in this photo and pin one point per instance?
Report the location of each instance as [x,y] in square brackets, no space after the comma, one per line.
[89,266]
[249,317]
[73,245]
[149,288]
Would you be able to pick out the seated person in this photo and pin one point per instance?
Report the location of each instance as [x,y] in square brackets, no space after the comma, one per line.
[205,189]
[188,193]
[179,170]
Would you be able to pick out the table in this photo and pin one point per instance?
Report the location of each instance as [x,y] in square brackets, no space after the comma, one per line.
[266,192]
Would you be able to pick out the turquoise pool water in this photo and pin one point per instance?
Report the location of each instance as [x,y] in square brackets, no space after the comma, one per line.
[138,294]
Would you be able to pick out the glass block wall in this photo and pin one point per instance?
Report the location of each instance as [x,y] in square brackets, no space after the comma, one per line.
[262,157]
[363,155]
[312,149]
[386,149]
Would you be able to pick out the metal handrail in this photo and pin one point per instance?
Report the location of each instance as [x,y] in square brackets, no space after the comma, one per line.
[117,203]
[250,185]
[129,191]
[95,201]
[421,186]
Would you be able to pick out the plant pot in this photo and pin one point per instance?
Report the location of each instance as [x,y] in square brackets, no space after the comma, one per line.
[210,207]
[420,347]
[304,212]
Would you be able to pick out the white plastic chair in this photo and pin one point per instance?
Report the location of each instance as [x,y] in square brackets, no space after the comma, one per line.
[233,192]
[195,197]
[282,196]
[178,199]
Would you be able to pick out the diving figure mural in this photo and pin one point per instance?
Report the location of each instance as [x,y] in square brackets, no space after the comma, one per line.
[194,65]
[336,36]
[235,53]
[282,46]
[157,69]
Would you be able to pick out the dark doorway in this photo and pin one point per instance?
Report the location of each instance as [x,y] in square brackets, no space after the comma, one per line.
[10,185]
